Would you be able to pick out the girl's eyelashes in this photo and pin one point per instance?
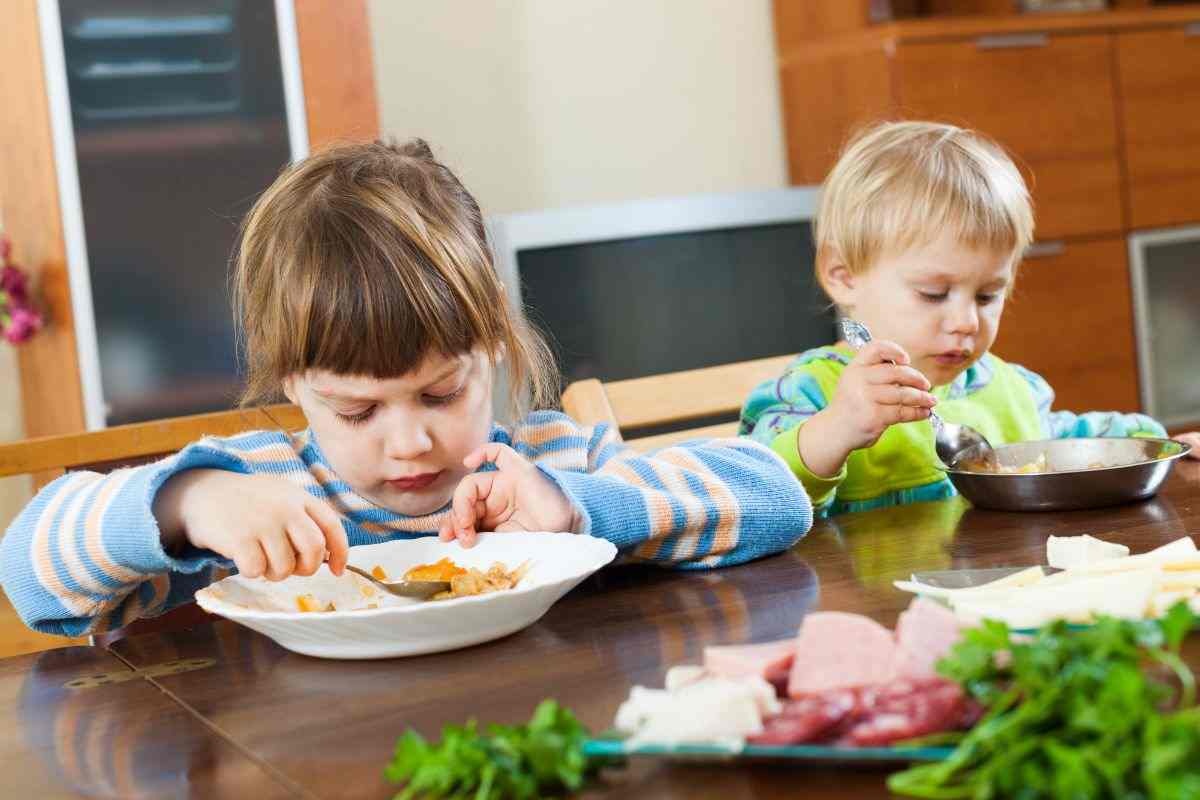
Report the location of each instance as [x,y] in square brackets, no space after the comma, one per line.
[442,399]
[984,299]
[357,419]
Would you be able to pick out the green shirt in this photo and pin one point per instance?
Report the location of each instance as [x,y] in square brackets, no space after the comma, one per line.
[1005,402]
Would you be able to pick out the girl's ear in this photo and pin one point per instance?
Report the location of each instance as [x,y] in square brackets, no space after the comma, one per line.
[501,354]
[289,389]
[836,279]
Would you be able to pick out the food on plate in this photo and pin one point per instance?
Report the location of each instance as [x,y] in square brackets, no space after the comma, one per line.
[1105,712]
[541,758]
[471,581]
[1038,465]
[442,570]
[464,582]
[306,602]
[844,680]
[1097,578]
[1068,552]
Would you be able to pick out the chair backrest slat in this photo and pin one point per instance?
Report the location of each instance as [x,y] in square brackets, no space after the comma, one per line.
[138,441]
[675,398]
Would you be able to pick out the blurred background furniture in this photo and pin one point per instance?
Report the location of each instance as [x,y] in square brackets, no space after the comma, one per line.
[1099,109]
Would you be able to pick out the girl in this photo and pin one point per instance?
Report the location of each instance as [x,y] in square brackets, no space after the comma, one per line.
[919,234]
[365,290]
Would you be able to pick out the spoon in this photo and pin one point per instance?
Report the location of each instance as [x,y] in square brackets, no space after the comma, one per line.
[953,442]
[419,590]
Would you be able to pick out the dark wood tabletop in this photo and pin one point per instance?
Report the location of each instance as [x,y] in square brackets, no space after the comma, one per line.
[259,719]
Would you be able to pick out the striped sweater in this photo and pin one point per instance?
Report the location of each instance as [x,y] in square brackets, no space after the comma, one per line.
[85,555]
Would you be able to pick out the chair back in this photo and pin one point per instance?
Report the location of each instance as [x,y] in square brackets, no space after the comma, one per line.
[700,401]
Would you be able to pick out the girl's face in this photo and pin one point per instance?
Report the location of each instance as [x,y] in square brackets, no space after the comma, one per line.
[401,442]
[941,302]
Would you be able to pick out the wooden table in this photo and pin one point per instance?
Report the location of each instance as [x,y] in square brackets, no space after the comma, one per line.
[261,722]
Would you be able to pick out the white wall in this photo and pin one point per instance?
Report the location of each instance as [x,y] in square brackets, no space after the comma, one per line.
[553,103]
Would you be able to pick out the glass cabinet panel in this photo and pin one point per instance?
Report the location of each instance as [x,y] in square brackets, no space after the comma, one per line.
[179,123]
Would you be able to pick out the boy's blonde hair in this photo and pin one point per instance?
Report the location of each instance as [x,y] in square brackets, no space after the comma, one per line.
[365,258]
[898,185]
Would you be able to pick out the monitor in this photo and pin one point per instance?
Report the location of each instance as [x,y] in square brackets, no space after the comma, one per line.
[643,288]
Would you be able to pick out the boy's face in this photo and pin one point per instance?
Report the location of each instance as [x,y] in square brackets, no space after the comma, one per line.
[400,442]
[941,302]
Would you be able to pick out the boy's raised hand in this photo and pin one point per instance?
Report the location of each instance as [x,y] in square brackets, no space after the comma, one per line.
[265,524]
[516,496]
[877,389]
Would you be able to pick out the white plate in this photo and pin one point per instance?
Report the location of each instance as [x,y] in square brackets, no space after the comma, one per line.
[558,562]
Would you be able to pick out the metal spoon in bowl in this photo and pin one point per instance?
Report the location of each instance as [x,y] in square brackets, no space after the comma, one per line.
[951,440]
[418,590]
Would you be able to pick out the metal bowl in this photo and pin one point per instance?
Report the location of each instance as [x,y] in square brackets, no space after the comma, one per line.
[1079,473]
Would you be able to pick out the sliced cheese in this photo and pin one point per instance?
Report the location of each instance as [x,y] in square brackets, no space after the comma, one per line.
[1125,594]
[1179,555]
[1067,552]
[1002,586]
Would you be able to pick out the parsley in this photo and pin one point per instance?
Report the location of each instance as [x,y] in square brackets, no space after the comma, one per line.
[544,756]
[1104,712]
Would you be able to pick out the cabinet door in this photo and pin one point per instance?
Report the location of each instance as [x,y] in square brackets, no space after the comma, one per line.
[1071,320]
[1049,100]
[1160,99]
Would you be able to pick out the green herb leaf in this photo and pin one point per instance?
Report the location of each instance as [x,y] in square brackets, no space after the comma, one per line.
[544,756]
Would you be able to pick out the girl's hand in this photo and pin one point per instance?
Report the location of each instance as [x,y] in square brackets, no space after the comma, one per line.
[1192,438]
[265,524]
[514,497]
[877,389]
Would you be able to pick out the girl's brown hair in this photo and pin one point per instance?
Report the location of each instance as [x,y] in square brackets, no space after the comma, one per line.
[365,258]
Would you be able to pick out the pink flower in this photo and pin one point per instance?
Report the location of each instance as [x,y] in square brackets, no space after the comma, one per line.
[23,323]
[14,283]
[5,249]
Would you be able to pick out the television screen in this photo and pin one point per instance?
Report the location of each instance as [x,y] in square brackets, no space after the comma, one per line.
[640,306]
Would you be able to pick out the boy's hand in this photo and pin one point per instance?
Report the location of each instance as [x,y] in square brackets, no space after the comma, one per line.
[266,525]
[877,389]
[1192,438]
[515,497]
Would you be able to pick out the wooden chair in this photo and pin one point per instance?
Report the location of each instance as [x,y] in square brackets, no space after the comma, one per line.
[640,407]
[48,457]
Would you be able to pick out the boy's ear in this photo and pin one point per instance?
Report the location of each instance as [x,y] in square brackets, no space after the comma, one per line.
[837,280]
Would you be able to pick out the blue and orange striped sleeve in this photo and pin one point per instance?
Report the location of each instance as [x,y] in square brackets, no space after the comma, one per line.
[695,505]
[85,555]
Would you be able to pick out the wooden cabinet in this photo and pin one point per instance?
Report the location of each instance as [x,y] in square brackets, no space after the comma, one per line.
[1070,319]
[1160,100]
[1049,100]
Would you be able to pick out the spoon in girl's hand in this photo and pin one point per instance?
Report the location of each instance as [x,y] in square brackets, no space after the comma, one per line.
[418,590]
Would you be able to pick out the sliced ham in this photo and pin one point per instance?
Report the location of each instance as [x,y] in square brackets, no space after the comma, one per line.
[770,661]
[836,650]
[925,633]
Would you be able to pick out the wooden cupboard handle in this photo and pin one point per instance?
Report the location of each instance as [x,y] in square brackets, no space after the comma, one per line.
[1012,40]
[1045,249]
